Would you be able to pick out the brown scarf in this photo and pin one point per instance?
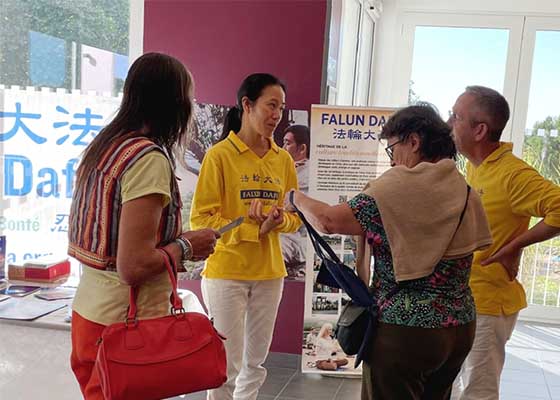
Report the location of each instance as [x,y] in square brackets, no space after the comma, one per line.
[420,208]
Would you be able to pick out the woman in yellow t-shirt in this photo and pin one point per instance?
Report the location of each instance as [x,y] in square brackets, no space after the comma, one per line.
[246,175]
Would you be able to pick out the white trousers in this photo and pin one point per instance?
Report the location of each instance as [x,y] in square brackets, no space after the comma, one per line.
[245,313]
[479,378]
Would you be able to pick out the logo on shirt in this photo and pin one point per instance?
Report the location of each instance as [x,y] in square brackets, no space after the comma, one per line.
[259,194]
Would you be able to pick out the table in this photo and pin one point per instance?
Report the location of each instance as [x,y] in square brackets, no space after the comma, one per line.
[35,356]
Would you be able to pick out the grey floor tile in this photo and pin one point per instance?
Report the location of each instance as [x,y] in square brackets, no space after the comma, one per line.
[552,378]
[544,336]
[522,359]
[350,389]
[533,377]
[525,389]
[554,391]
[283,360]
[192,396]
[312,386]
[276,380]
[292,398]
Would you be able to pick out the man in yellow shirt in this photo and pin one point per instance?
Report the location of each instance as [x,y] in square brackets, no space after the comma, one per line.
[512,192]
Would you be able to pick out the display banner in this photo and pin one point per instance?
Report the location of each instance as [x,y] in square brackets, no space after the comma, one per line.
[43,134]
[345,155]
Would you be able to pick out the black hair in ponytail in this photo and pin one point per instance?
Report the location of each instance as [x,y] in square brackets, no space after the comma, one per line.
[252,88]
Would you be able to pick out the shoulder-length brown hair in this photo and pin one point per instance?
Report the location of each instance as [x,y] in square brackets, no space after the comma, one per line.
[157,103]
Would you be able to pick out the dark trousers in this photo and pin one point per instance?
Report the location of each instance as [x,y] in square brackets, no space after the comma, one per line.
[410,363]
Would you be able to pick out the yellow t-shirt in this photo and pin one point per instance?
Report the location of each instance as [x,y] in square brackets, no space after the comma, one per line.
[232,176]
[101,297]
[511,192]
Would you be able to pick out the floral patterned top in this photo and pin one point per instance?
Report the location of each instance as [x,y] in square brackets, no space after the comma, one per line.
[442,299]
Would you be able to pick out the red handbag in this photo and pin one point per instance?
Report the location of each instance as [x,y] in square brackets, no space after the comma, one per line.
[160,357]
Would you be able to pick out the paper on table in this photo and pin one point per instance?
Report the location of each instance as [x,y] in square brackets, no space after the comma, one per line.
[28,309]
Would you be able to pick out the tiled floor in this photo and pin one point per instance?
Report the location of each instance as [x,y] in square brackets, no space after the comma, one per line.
[532,372]
[34,365]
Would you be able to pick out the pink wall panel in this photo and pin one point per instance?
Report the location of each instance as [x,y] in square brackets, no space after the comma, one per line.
[223,41]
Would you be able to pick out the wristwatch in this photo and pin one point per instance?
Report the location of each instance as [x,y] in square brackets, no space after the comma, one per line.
[186,248]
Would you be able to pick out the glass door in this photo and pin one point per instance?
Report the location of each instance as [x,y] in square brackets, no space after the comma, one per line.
[444,53]
[535,135]
[518,56]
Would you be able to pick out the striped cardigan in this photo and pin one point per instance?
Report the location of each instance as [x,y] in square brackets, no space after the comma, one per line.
[96,206]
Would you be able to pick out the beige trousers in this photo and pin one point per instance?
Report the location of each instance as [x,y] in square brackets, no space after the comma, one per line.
[479,378]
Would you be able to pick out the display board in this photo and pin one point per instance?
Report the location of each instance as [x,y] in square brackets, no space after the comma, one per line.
[345,154]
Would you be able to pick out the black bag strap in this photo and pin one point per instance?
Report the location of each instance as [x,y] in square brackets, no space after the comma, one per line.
[324,251]
[400,286]
[464,209]
[322,248]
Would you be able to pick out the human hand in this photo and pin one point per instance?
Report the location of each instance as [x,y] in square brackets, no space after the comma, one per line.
[202,241]
[274,218]
[509,257]
[255,211]
[288,206]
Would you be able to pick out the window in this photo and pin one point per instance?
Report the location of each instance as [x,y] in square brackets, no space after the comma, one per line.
[446,54]
[350,54]
[518,56]
[62,66]
[536,133]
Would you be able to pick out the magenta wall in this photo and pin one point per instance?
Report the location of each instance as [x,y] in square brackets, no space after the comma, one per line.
[223,41]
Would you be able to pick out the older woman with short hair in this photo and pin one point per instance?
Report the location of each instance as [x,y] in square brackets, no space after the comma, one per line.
[421,223]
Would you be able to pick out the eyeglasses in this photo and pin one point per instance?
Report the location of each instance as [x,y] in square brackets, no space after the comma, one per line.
[389,149]
[454,117]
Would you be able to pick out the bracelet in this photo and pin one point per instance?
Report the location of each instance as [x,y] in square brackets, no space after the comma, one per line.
[186,247]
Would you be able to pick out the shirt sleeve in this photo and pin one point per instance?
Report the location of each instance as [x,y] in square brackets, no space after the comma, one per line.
[366,212]
[206,206]
[534,196]
[150,174]
[291,222]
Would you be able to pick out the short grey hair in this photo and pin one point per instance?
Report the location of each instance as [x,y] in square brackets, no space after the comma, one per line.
[495,108]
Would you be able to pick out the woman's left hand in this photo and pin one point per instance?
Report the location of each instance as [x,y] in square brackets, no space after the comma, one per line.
[274,218]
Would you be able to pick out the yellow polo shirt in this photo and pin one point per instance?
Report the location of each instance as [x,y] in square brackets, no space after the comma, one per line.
[231,176]
[511,192]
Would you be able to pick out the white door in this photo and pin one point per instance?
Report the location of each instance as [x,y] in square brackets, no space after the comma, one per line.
[519,56]
[536,122]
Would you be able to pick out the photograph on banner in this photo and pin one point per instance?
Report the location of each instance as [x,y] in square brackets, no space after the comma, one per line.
[206,131]
[346,153]
[325,304]
[321,352]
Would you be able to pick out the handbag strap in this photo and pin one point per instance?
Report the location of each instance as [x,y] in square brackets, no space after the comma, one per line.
[175,299]
[322,248]
[398,286]
[464,208]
